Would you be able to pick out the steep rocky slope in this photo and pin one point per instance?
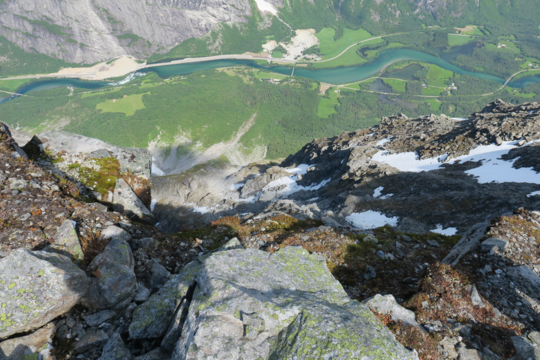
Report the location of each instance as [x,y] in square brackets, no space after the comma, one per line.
[86,279]
[416,174]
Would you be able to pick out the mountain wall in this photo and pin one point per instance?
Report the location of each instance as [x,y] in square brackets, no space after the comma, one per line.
[89,31]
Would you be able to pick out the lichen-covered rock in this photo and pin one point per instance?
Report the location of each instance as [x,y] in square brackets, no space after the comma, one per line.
[114,232]
[387,305]
[36,287]
[252,304]
[114,283]
[151,319]
[115,349]
[66,242]
[29,345]
[128,203]
[525,349]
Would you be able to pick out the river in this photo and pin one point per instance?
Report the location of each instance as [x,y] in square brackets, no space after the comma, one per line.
[332,76]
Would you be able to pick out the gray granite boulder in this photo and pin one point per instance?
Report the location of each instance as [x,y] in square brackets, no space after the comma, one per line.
[114,232]
[525,349]
[251,304]
[387,305]
[494,244]
[25,347]
[127,202]
[113,284]
[66,242]
[36,287]
[152,319]
[135,160]
[115,349]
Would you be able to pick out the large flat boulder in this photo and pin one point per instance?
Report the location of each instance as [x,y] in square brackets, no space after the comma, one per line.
[114,283]
[251,304]
[36,287]
[135,160]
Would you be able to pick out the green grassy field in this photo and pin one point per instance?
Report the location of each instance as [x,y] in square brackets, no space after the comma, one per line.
[457,39]
[396,85]
[127,105]
[327,105]
[277,54]
[268,75]
[432,91]
[438,76]
[12,85]
[434,105]
[349,58]
[330,47]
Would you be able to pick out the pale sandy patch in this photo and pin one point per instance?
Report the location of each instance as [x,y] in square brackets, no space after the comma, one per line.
[303,40]
[269,46]
[263,54]
[120,67]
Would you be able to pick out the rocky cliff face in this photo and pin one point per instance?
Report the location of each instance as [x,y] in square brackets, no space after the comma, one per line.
[417,174]
[88,280]
[85,31]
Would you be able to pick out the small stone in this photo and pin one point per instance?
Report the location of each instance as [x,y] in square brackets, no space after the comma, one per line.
[370,273]
[142,294]
[25,217]
[380,254]
[99,317]
[159,276]
[93,340]
[433,243]
[143,243]
[114,232]
[475,297]
[66,242]
[115,349]
[406,238]
[387,305]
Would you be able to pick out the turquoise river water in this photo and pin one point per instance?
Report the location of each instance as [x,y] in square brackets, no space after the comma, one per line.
[333,76]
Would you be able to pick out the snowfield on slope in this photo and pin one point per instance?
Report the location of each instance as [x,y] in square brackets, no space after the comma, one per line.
[493,168]
[371,219]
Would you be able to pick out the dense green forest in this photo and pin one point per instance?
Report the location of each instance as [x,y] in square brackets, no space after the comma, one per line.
[286,118]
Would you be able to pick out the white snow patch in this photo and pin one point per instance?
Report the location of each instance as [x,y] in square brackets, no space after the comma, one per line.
[534,193]
[378,191]
[300,169]
[407,161]
[74,223]
[153,205]
[312,199]
[371,219]
[448,231]
[266,6]
[460,119]
[532,111]
[384,197]
[384,141]
[493,168]
[291,186]
[201,209]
